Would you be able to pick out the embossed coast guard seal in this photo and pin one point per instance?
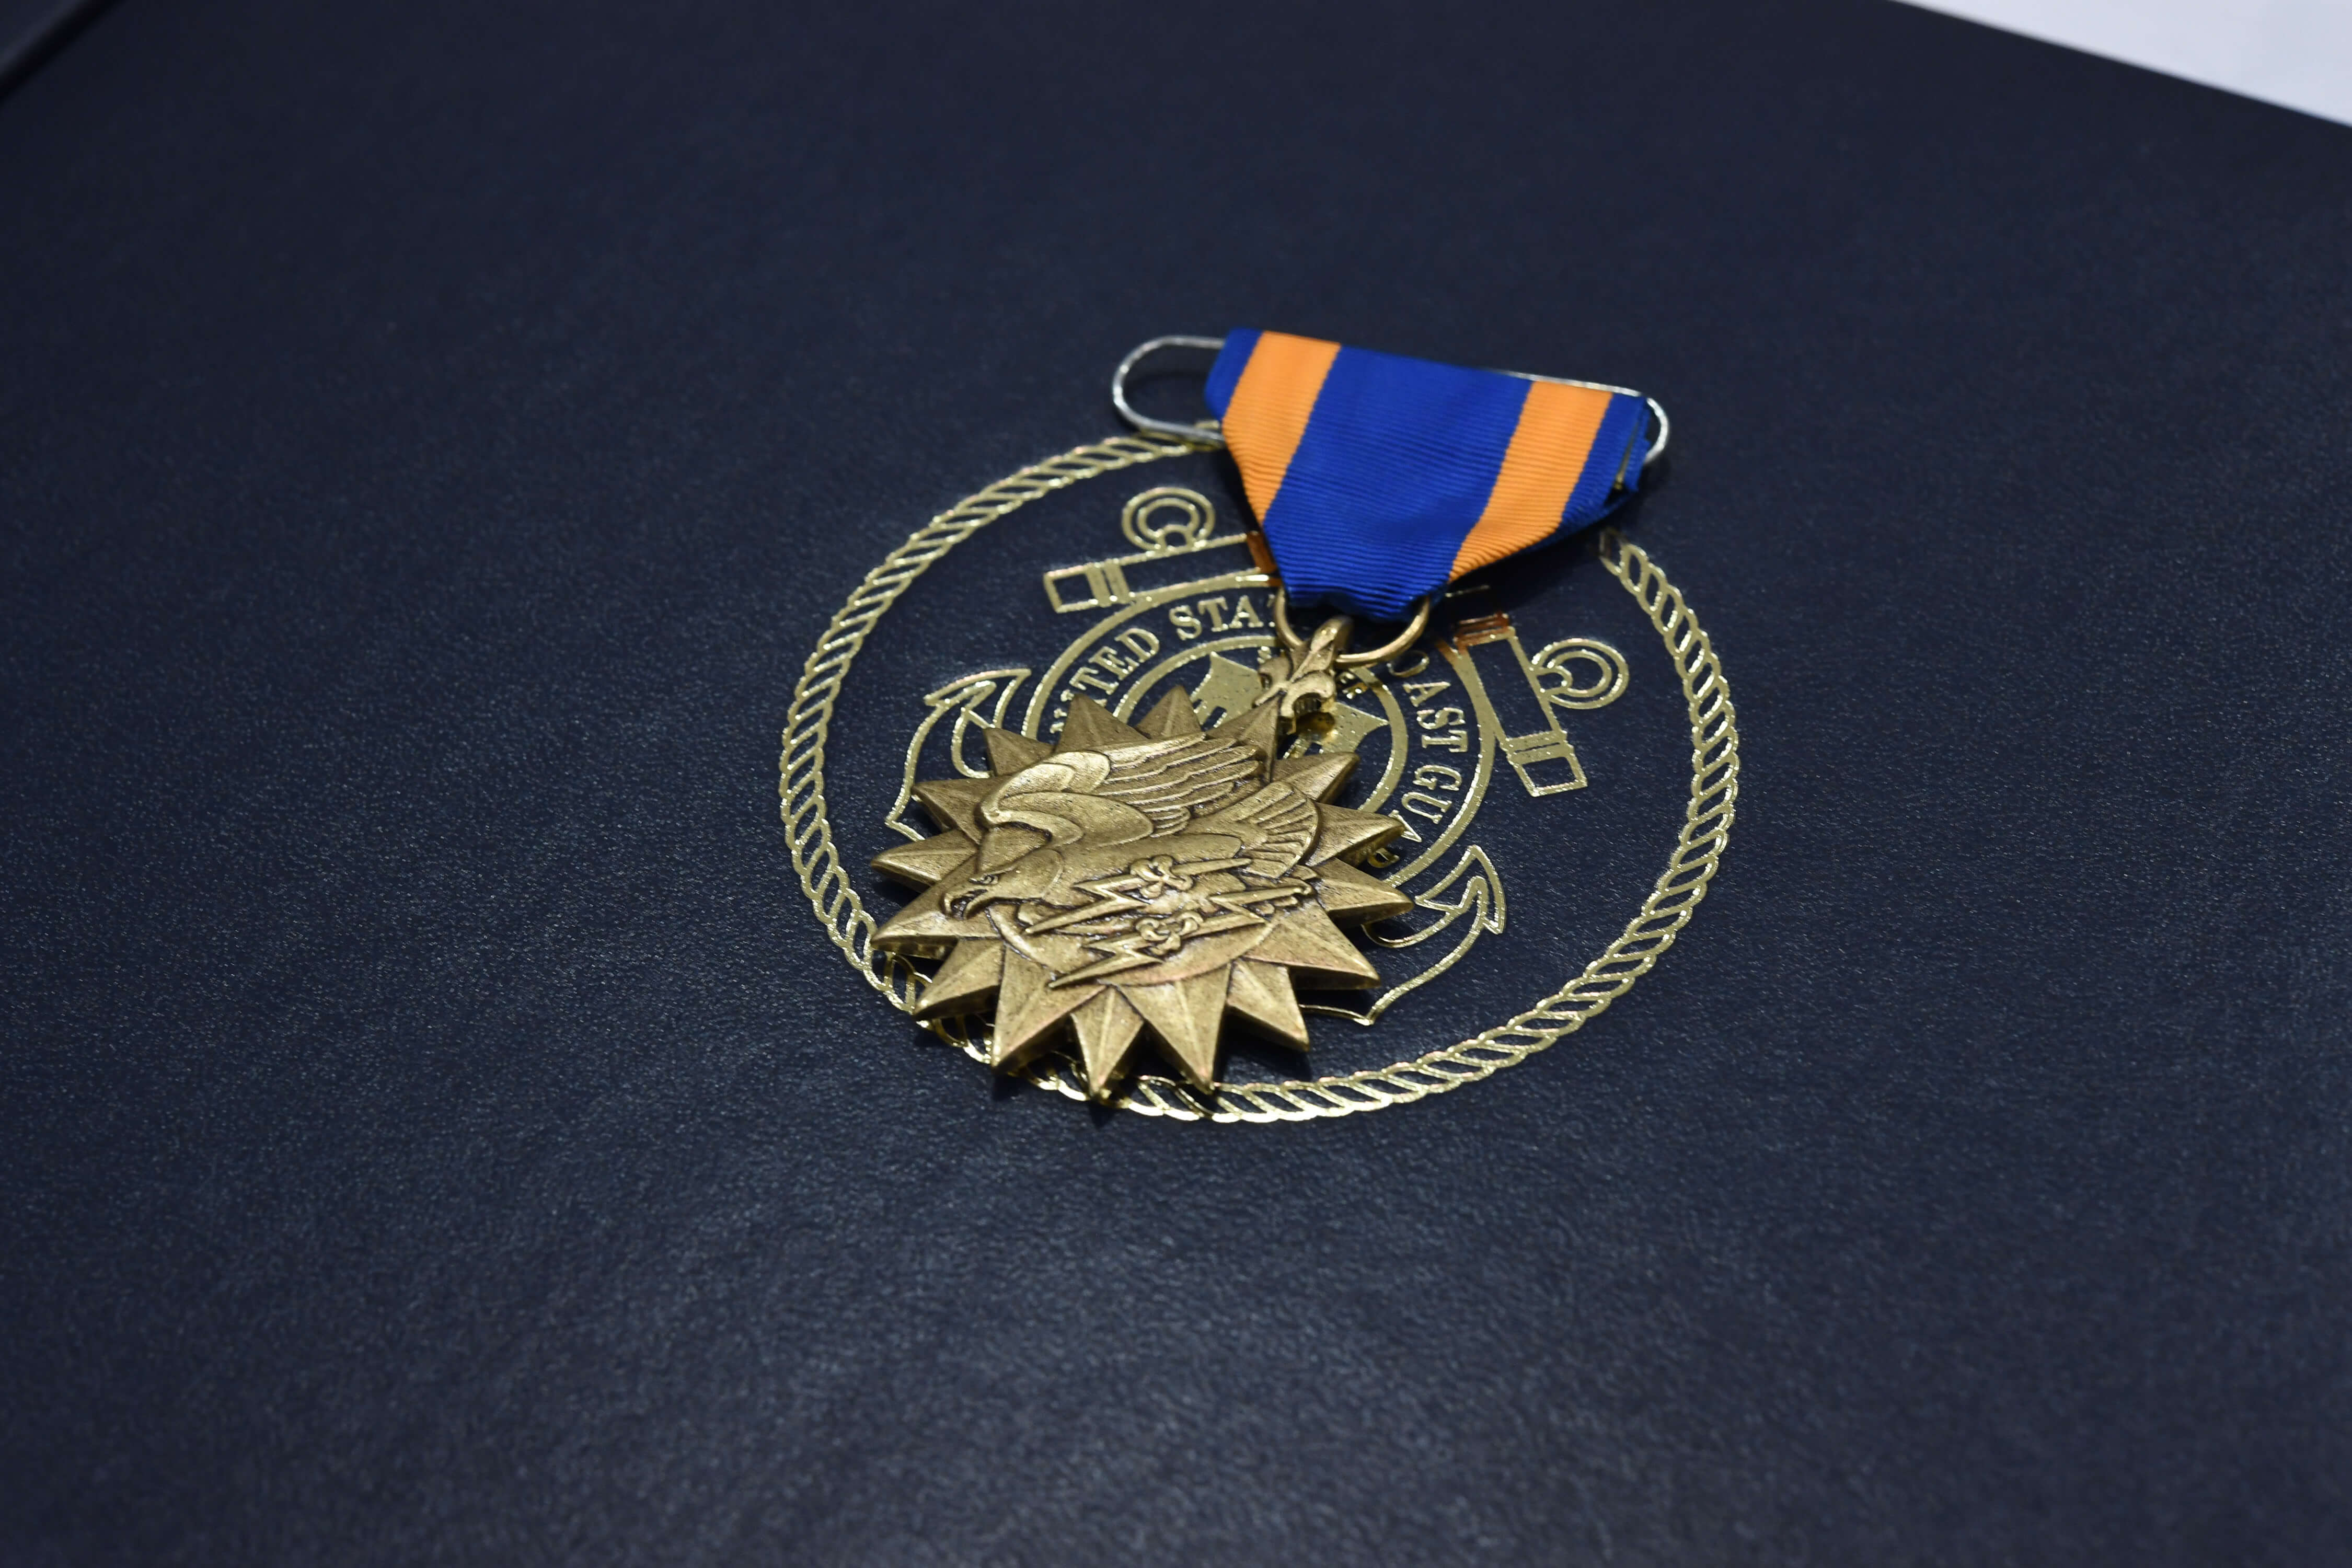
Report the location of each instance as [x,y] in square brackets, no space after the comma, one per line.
[1156,849]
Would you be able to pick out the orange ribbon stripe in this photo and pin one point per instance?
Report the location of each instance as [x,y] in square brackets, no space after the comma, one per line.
[1272,404]
[1554,435]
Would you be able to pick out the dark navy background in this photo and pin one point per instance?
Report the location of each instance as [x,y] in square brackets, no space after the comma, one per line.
[433,1128]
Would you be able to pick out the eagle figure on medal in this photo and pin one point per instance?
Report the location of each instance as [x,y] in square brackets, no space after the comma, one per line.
[1126,888]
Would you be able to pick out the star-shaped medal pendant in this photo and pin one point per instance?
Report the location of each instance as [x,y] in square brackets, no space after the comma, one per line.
[1136,882]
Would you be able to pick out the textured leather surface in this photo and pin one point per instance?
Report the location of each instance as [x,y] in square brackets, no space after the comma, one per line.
[32,33]
[433,1131]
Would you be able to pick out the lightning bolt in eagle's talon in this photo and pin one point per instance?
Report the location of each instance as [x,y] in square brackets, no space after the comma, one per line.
[1239,902]
[1124,952]
[1104,904]
[1132,951]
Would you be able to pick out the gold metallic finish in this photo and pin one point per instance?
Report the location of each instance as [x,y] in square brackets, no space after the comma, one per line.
[1478,897]
[1164,524]
[1032,1013]
[1302,681]
[1552,667]
[963,698]
[1125,872]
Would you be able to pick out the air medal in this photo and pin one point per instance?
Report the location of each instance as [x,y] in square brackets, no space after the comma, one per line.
[1171,845]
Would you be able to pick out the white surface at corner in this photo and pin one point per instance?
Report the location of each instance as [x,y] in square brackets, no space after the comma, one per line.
[2294,52]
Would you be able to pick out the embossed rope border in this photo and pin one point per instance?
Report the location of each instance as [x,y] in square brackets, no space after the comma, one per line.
[1698,849]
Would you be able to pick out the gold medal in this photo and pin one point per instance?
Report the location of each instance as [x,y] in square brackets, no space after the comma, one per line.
[1139,874]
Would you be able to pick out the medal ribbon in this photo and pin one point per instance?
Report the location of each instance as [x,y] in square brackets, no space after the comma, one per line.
[1378,479]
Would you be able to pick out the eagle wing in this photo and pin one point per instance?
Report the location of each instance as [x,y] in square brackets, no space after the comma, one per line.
[1169,781]
[1276,826]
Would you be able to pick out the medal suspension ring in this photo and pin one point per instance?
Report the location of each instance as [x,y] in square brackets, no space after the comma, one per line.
[1698,848]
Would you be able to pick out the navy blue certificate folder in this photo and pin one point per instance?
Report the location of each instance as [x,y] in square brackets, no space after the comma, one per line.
[433,1129]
